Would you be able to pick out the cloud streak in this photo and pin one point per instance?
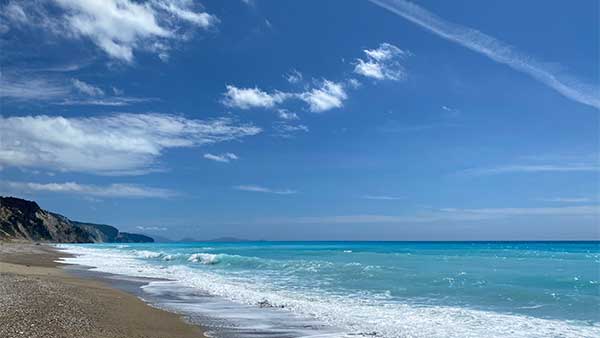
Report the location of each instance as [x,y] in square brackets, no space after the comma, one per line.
[19,88]
[86,88]
[494,49]
[532,168]
[25,86]
[261,189]
[224,158]
[112,190]
[443,215]
[118,144]
[566,199]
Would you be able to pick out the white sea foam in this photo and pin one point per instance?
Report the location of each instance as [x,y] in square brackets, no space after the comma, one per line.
[204,258]
[353,313]
[148,254]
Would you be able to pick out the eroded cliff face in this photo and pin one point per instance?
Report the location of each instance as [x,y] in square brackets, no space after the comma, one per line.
[25,220]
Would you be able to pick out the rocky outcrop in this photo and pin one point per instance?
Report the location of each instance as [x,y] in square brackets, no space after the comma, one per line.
[25,220]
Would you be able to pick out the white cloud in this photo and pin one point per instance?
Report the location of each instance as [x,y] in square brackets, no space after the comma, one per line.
[381,197]
[258,188]
[293,76]
[115,26]
[328,96]
[182,10]
[495,50]
[86,88]
[151,228]
[112,190]
[287,115]
[224,158]
[110,144]
[246,98]
[382,63]
[118,27]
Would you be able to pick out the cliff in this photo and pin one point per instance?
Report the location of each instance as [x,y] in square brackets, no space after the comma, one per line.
[25,220]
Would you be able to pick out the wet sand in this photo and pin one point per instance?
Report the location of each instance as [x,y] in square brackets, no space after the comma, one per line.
[40,299]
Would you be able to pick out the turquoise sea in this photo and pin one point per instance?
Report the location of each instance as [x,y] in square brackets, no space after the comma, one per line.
[370,289]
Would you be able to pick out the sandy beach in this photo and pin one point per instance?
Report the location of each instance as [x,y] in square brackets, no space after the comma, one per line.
[40,299]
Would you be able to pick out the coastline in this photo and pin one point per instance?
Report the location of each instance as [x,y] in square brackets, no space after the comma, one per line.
[38,298]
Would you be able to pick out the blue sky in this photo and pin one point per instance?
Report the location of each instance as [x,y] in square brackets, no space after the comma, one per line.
[319,120]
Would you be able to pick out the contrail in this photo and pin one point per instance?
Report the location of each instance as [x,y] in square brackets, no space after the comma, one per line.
[494,49]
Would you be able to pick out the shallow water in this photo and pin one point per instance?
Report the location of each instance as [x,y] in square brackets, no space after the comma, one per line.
[381,289]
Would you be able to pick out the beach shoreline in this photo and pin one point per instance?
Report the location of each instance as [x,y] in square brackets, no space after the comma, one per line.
[39,298]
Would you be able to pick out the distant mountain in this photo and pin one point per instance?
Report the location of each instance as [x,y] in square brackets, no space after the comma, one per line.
[228,239]
[25,220]
[160,239]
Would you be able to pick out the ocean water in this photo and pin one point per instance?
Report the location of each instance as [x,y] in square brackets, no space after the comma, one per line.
[367,289]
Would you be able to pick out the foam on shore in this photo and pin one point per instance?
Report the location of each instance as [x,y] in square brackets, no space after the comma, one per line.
[351,315]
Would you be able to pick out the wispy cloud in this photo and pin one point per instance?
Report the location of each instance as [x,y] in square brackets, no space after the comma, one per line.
[224,158]
[119,144]
[588,210]
[111,101]
[117,27]
[381,197]
[442,215]
[151,228]
[86,88]
[293,76]
[566,199]
[532,168]
[495,50]
[261,189]
[382,63]
[37,88]
[112,190]
[285,114]
[53,89]
[288,130]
